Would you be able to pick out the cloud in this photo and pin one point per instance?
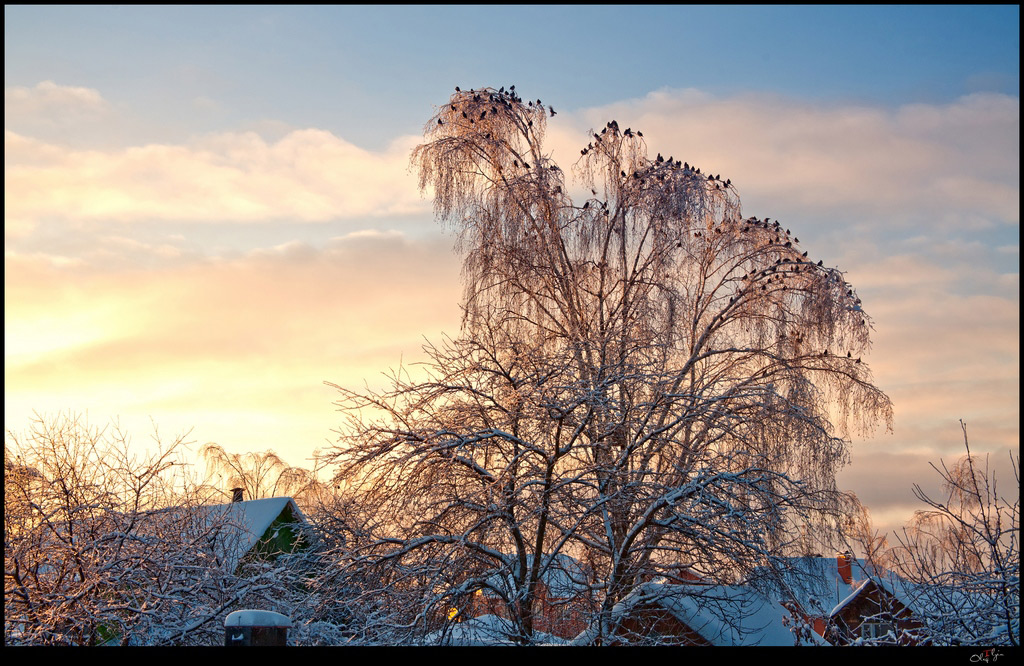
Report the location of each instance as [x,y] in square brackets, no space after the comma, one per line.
[308,175]
[53,104]
[883,478]
[947,161]
[956,164]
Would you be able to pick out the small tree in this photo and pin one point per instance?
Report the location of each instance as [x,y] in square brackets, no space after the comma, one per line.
[963,555]
[645,380]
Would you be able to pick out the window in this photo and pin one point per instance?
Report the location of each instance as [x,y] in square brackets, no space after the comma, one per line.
[874,629]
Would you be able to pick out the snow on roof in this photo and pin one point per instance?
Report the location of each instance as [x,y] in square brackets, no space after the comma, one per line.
[850,597]
[721,614]
[563,575]
[483,630]
[813,582]
[933,599]
[246,522]
[920,599]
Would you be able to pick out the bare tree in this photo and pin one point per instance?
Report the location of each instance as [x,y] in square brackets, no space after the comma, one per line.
[862,540]
[645,380]
[962,555]
[105,545]
[261,475]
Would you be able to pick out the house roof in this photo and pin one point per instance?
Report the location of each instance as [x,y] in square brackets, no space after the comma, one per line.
[243,524]
[563,575]
[721,614]
[932,599]
[813,582]
[857,590]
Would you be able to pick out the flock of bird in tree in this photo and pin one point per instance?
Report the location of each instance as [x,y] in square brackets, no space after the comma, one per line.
[501,97]
[659,169]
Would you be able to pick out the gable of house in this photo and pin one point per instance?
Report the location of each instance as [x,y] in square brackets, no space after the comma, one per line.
[837,596]
[871,613]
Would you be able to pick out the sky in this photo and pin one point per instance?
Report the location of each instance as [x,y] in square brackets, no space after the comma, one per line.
[209,210]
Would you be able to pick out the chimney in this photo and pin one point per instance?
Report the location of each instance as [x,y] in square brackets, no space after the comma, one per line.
[236,495]
[845,564]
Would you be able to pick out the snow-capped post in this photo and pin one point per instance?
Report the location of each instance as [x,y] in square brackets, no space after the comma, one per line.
[256,627]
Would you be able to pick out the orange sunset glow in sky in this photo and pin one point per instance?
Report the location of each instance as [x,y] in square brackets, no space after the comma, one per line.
[209,211]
